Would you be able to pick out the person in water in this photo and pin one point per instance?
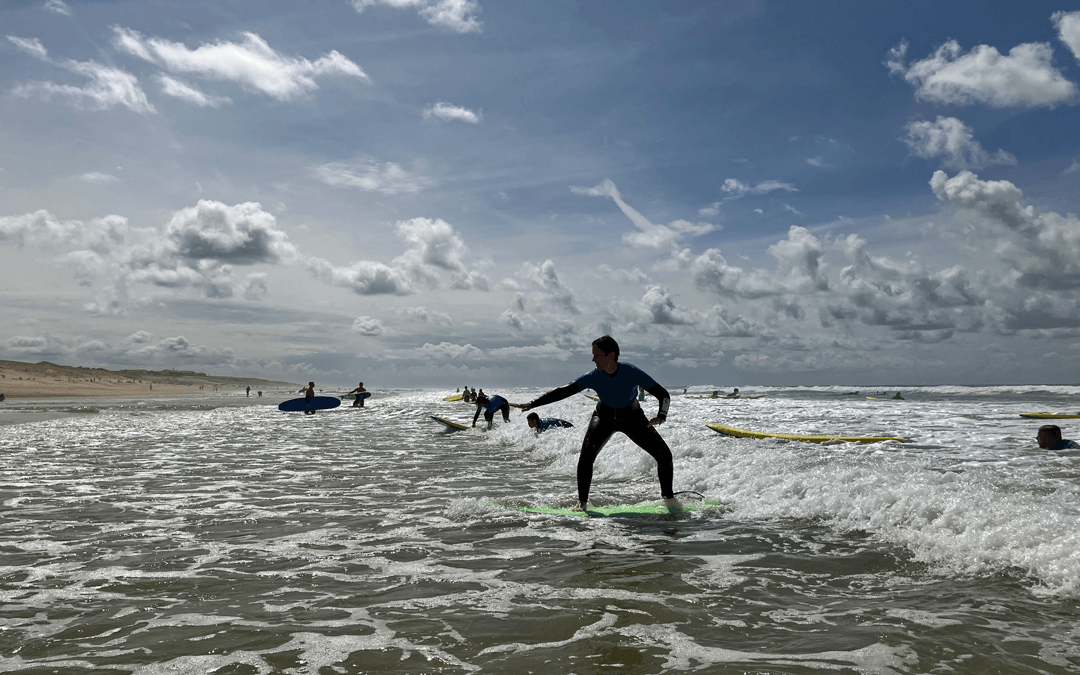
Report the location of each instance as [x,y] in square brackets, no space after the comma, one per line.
[615,383]
[490,406]
[542,425]
[898,397]
[734,394]
[309,394]
[1050,439]
[358,402]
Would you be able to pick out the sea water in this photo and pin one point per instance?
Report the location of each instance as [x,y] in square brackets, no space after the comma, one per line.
[214,534]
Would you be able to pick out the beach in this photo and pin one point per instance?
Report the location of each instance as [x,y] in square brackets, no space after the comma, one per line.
[47,380]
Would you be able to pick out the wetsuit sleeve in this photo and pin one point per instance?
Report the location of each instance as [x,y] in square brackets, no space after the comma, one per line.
[556,395]
[477,415]
[664,397]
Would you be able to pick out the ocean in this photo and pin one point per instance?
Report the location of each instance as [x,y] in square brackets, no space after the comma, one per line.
[213,534]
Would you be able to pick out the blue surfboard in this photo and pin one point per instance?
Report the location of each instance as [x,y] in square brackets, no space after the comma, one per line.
[313,403]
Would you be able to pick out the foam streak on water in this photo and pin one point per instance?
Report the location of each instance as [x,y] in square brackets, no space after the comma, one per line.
[215,534]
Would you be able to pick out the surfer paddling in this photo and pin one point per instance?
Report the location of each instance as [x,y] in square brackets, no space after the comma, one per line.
[1050,438]
[616,384]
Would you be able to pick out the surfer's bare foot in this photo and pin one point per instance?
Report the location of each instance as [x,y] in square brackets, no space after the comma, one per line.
[580,506]
[673,505]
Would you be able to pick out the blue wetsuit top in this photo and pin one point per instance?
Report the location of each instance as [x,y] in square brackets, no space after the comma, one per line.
[618,390]
[1066,444]
[493,403]
[548,422]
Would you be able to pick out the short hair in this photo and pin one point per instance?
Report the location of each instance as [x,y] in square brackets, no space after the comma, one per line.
[607,344]
[533,416]
[1052,429]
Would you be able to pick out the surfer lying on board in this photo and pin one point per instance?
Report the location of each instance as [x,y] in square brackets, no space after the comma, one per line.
[618,410]
[489,406]
[542,425]
[358,402]
[1050,438]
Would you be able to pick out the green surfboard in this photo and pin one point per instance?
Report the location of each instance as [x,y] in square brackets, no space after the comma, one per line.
[616,510]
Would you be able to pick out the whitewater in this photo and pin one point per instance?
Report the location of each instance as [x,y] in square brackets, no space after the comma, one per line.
[214,534]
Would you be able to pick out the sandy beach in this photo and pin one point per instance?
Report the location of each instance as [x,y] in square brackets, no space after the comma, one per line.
[45,380]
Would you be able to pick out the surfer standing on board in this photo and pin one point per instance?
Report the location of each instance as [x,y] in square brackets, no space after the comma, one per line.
[618,410]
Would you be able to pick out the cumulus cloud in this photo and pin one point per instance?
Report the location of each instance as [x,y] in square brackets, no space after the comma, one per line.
[556,294]
[1042,246]
[107,87]
[252,63]
[365,325]
[659,308]
[141,348]
[434,258]
[197,249]
[652,236]
[426,315]
[178,89]
[1023,78]
[58,7]
[951,140]
[800,269]
[457,15]
[1068,25]
[448,111]
[385,177]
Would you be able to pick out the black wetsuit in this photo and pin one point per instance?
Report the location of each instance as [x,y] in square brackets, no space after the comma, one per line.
[606,420]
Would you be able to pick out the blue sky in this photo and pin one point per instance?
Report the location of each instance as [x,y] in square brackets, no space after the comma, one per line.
[446,192]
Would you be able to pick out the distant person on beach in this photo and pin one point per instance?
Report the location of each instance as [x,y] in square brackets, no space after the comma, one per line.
[541,425]
[898,397]
[616,383]
[249,392]
[358,402]
[490,406]
[1050,439]
[309,394]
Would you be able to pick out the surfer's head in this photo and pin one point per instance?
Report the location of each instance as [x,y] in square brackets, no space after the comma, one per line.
[533,419]
[1049,435]
[605,354]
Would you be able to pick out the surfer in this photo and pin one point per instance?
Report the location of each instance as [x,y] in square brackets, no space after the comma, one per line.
[1050,439]
[542,425]
[615,383]
[490,406]
[358,402]
[898,397]
[734,394]
[309,394]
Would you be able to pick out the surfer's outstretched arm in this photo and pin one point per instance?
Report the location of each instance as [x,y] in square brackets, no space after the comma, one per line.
[553,396]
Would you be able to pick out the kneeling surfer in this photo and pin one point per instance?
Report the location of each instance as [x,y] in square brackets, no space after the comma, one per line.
[616,384]
[489,406]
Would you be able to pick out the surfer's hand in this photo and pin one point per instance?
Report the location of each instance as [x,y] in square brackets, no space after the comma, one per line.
[656,421]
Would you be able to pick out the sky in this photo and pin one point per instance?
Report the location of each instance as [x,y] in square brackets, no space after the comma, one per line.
[447,193]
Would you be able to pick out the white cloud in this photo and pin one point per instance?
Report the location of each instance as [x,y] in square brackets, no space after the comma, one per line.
[58,7]
[252,63]
[434,258]
[659,308]
[448,111]
[1068,25]
[426,315]
[98,178]
[31,46]
[556,293]
[458,15]
[172,87]
[1074,167]
[385,177]
[659,237]
[736,188]
[365,325]
[1023,78]
[800,269]
[107,88]
[140,348]
[951,140]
